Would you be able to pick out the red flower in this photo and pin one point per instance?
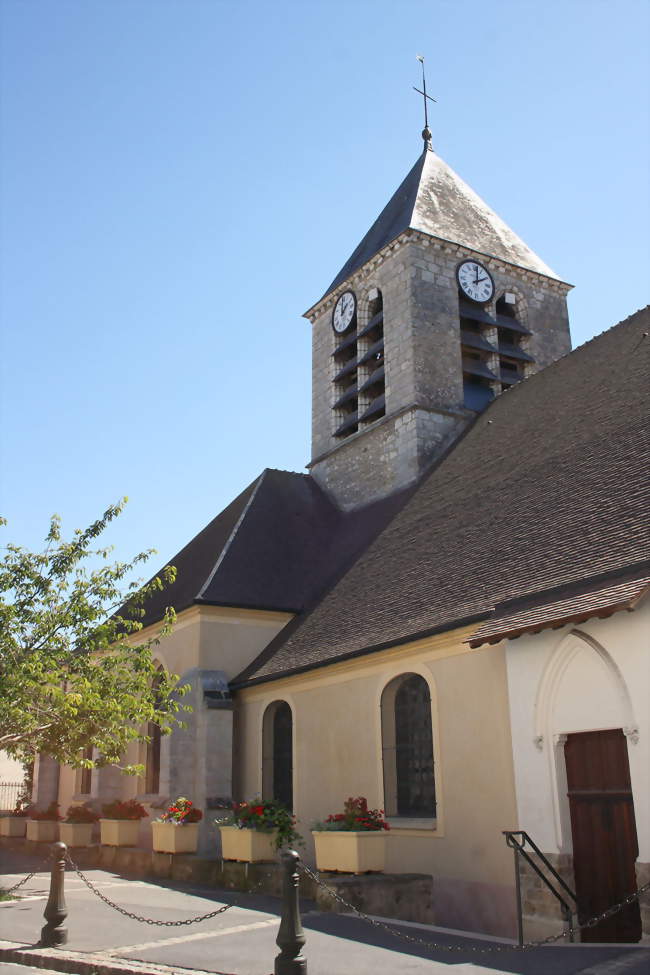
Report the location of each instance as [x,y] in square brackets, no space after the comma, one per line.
[258,810]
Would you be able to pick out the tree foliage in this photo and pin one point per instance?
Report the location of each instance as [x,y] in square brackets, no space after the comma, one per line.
[73,672]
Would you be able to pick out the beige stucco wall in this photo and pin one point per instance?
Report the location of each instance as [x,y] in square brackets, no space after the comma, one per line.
[209,638]
[215,638]
[337,753]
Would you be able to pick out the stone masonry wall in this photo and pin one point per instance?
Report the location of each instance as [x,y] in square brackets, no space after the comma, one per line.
[541,910]
[422,359]
[391,456]
[539,905]
[643,878]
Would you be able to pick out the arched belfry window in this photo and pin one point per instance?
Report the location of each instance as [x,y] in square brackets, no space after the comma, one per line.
[152,760]
[492,342]
[277,753]
[512,335]
[359,385]
[407,748]
[371,374]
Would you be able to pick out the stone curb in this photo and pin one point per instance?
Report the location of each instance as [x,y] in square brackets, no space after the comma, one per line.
[85,963]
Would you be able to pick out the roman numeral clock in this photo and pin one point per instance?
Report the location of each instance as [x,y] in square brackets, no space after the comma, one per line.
[475,281]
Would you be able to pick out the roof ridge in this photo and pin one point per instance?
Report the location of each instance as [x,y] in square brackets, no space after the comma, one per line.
[282,470]
[605,331]
[231,537]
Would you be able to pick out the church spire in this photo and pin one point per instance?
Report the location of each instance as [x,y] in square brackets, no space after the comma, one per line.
[426,131]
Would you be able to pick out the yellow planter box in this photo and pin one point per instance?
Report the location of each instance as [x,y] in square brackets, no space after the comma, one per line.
[13,826]
[247,845]
[42,830]
[350,852]
[168,838]
[76,834]
[119,832]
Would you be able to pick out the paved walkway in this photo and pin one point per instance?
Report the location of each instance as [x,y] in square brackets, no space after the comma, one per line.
[241,940]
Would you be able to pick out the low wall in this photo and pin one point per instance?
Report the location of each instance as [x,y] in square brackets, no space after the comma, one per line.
[541,910]
[405,897]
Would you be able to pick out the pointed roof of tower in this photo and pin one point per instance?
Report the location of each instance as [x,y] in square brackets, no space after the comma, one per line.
[435,200]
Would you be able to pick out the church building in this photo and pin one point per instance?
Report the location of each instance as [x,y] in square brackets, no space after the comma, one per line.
[446,615]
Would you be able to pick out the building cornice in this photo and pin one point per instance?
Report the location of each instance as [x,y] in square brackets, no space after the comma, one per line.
[497,264]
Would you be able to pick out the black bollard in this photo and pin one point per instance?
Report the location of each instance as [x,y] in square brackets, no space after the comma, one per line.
[56,912]
[291,937]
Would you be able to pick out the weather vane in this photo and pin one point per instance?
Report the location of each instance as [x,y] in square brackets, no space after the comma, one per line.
[426,131]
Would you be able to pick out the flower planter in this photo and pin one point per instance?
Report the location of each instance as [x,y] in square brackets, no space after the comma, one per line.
[247,845]
[76,834]
[347,851]
[42,830]
[169,838]
[119,832]
[13,826]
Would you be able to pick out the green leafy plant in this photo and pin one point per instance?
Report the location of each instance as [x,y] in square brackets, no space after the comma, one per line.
[124,809]
[181,812]
[81,814]
[73,672]
[266,815]
[51,814]
[355,817]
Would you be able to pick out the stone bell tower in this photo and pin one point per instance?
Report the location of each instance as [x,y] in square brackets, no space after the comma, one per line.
[439,309]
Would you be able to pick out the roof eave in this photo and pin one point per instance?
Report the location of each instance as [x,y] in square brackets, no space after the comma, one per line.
[315,309]
[553,624]
[235,684]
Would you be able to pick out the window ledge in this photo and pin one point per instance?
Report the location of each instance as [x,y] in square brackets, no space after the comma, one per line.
[404,822]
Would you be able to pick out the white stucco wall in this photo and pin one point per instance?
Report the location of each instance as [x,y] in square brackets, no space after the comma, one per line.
[589,677]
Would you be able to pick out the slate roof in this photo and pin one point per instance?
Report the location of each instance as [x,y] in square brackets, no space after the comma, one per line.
[435,200]
[275,547]
[546,490]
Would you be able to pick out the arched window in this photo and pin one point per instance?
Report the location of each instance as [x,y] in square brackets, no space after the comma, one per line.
[407,748]
[84,778]
[277,753]
[152,760]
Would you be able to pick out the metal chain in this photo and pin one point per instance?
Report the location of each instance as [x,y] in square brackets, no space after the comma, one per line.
[20,883]
[149,920]
[29,876]
[592,922]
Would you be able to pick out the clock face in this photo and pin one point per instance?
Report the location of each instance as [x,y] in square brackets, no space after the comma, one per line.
[475,281]
[344,310]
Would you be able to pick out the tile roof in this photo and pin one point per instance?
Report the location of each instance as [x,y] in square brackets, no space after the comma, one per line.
[598,600]
[548,487]
[275,547]
[435,200]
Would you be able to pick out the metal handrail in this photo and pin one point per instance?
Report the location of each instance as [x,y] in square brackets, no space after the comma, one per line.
[517,839]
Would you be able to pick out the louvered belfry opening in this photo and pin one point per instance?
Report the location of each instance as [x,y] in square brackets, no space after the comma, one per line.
[511,334]
[371,378]
[492,350]
[346,391]
[359,383]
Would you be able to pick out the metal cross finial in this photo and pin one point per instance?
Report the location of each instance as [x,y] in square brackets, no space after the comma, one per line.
[426,131]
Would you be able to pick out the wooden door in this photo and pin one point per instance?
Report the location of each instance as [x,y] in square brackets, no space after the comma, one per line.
[604,831]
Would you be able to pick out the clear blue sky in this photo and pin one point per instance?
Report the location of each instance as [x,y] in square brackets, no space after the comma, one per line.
[181,179]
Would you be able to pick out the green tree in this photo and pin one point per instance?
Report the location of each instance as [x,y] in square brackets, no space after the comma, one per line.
[73,672]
